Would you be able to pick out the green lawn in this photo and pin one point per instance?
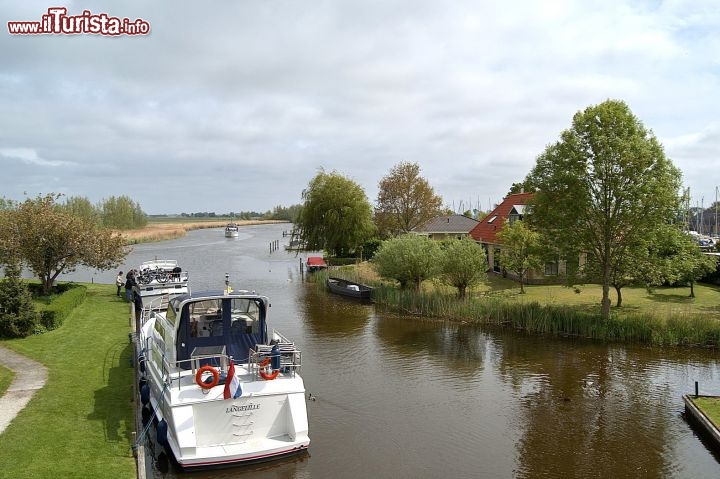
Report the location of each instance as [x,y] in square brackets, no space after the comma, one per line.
[710,406]
[662,302]
[6,377]
[79,425]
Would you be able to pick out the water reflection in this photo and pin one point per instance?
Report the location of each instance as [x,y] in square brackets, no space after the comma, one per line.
[330,316]
[456,349]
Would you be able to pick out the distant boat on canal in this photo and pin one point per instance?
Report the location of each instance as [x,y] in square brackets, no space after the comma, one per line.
[232,230]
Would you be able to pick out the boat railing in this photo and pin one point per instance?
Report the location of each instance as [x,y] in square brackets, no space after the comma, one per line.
[290,356]
[172,371]
[290,360]
[155,305]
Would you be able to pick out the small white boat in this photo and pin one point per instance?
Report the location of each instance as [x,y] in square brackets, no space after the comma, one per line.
[232,230]
[224,390]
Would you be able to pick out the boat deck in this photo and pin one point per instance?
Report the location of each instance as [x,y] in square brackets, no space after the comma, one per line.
[184,389]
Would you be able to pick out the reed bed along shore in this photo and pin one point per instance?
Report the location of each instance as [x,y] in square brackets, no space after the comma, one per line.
[167,230]
[665,317]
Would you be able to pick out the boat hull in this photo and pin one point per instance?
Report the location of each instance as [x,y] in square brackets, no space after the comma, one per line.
[349,289]
[209,431]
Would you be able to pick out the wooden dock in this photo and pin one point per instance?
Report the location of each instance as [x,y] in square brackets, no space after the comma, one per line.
[701,422]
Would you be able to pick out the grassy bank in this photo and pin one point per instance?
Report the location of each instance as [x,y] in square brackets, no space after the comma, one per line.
[175,228]
[79,425]
[664,317]
[710,406]
[6,377]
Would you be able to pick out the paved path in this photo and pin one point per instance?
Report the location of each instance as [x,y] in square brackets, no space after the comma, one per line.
[30,376]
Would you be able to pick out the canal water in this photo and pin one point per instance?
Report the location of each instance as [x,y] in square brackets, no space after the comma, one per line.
[401,397]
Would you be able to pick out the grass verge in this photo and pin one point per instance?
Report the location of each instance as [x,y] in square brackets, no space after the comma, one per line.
[6,377]
[80,424]
[710,406]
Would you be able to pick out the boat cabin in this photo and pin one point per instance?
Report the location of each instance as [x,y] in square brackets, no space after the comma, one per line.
[211,324]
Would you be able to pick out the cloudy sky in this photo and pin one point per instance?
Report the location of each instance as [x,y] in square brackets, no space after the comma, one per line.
[236,106]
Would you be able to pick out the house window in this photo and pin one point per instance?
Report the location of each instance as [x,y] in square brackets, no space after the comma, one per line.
[492,219]
[551,268]
[496,260]
[513,218]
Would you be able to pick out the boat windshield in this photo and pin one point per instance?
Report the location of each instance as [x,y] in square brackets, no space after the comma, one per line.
[238,324]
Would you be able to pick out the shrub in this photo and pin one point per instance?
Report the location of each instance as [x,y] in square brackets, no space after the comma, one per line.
[18,316]
[62,305]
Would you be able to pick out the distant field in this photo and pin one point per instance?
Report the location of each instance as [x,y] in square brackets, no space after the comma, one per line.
[187,220]
[159,229]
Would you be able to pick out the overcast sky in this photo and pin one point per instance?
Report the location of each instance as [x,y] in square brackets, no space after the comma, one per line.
[234,106]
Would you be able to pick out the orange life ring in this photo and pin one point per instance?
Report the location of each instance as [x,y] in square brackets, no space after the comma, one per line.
[207,369]
[268,377]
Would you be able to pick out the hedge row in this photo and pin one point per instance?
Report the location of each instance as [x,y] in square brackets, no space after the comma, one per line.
[62,305]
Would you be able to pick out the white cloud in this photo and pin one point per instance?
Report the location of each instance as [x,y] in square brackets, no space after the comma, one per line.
[264,93]
[30,156]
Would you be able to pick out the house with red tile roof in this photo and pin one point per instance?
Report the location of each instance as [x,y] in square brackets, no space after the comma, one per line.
[512,209]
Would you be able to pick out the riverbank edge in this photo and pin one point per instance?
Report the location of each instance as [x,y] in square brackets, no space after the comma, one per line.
[565,321]
[143,459]
[701,421]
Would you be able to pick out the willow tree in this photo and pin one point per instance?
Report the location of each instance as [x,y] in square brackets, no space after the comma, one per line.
[50,240]
[336,215]
[409,259]
[463,264]
[405,201]
[604,185]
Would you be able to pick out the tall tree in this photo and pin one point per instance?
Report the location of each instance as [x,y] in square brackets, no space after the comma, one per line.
[520,252]
[7,204]
[521,187]
[405,201]
[121,212]
[8,242]
[463,264]
[51,241]
[408,259]
[81,206]
[603,185]
[336,215]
